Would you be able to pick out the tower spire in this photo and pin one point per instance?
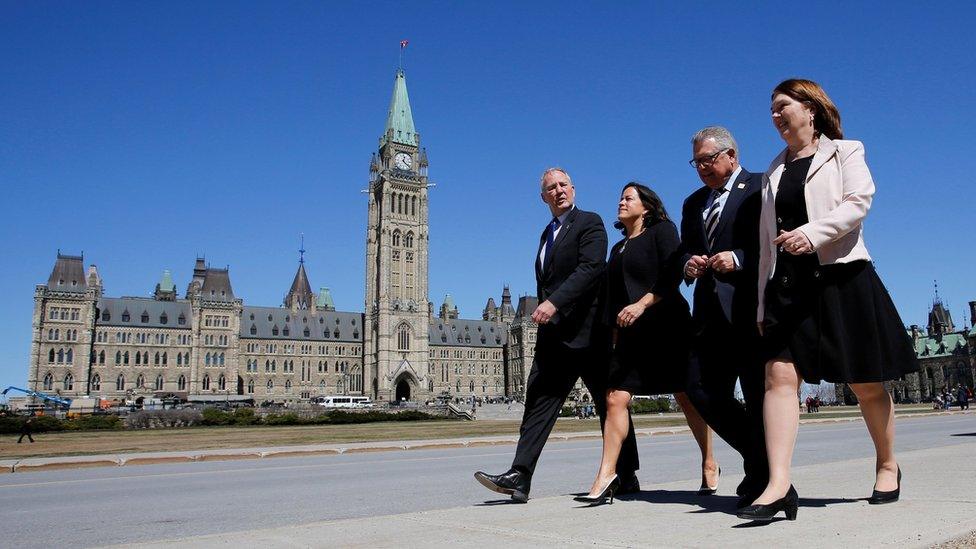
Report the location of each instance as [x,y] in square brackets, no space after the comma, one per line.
[399,120]
[301,251]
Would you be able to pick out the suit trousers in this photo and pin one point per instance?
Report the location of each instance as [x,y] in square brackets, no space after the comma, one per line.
[554,373]
[722,353]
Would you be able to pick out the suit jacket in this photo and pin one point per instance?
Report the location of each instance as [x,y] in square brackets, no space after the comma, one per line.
[570,279]
[737,232]
[838,194]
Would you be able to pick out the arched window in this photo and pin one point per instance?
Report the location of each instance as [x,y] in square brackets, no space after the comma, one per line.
[322,387]
[181,383]
[288,387]
[270,386]
[403,337]
[206,382]
[459,385]
[120,383]
[50,356]
[471,386]
[48,382]
[484,386]
[70,356]
[274,365]
[250,386]
[118,357]
[400,203]
[156,359]
[186,359]
[96,382]
[254,329]
[221,359]
[60,356]
[274,330]
[413,209]
[179,359]
[101,357]
[221,382]
[408,240]
[125,358]
[125,315]
[138,359]
[140,381]
[396,237]
[164,359]
[69,382]
[159,383]
[145,317]
[207,360]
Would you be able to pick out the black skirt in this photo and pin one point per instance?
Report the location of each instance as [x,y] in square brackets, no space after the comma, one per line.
[651,357]
[837,323]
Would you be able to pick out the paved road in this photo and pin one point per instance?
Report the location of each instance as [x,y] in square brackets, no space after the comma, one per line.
[86,507]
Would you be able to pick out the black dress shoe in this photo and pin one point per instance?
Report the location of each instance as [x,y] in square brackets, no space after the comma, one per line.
[628,484]
[513,483]
[705,489]
[747,498]
[765,513]
[891,496]
[607,492]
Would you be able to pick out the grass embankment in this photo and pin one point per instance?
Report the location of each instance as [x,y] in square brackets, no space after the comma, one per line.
[68,443]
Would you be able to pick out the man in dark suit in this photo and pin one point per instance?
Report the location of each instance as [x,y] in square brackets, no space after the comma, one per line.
[571,343]
[720,237]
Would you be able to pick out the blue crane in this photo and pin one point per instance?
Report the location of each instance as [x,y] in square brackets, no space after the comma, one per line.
[66,402]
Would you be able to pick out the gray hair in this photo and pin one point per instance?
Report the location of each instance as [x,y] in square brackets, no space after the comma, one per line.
[542,180]
[723,138]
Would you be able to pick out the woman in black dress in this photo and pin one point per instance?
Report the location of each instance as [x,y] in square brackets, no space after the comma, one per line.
[651,326]
[823,311]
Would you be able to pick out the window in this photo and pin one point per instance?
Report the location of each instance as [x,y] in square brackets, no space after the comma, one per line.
[408,240]
[221,382]
[250,386]
[125,358]
[101,357]
[106,316]
[403,337]
[140,381]
[156,359]
[70,356]
[270,386]
[144,317]
[396,237]
[274,330]
[181,383]
[69,382]
[221,359]
[181,320]
[164,359]
[96,382]
[206,382]
[125,315]
[48,382]
[163,319]
[159,383]
[288,387]
[254,329]
[285,331]
[50,356]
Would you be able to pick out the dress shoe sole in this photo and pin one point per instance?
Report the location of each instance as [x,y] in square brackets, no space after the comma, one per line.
[517,496]
[882,502]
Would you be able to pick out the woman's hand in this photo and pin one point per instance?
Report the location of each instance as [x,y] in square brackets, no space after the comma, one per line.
[794,242]
[629,314]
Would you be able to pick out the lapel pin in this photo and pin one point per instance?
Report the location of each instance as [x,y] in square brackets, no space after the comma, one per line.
[741,185]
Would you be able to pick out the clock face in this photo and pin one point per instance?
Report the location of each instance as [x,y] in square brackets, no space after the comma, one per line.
[403,161]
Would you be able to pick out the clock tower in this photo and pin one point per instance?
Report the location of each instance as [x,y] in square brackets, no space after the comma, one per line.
[398,312]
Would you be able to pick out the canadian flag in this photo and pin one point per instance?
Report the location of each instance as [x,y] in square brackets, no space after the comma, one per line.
[403,43]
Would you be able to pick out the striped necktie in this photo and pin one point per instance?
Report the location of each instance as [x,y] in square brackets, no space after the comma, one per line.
[712,217]
[550,237]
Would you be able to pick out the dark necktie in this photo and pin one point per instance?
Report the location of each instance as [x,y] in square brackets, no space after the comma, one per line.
[712,217]
[550,236]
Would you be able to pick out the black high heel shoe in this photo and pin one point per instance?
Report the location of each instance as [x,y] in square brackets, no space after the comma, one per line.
[891,496]
[765,513]
[607,492]
[705,489]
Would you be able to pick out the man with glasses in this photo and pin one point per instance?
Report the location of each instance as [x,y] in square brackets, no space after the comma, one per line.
[720,238]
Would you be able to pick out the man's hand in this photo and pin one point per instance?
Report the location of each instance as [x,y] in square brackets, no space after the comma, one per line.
[629,314]
[544,312]
[794,242]
[695,267]
[722,262]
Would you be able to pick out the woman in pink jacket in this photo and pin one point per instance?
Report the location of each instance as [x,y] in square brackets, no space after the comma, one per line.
[823,311]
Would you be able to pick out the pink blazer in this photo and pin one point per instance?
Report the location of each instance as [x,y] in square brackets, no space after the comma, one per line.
[838,194]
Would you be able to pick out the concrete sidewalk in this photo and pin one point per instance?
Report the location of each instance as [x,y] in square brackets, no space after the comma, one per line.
[147,458]
[937,504]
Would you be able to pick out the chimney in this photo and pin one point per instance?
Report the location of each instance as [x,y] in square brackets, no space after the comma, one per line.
[972,314]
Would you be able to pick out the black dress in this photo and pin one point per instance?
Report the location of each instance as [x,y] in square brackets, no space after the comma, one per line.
[651,355]
[836,322]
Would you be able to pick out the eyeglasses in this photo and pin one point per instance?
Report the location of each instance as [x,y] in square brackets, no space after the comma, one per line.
[706,160]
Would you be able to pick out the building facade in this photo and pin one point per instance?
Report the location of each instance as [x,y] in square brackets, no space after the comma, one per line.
[209,343]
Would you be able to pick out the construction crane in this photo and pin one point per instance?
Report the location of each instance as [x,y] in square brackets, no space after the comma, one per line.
[65,402]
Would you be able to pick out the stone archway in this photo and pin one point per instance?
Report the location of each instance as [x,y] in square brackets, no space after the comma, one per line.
[402,390]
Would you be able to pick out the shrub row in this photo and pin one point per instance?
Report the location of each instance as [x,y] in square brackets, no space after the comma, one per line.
[42,424]
[646,406]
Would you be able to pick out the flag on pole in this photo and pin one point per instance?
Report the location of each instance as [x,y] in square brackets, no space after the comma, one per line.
[403,43]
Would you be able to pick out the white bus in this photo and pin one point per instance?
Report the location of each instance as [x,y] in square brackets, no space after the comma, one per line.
[342,401]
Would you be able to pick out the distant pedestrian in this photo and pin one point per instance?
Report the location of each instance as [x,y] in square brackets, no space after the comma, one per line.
[25,431]
[962,398]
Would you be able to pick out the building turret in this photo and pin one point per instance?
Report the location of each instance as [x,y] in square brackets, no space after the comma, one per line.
[199,273]
[491,310]
[449,310]
[506,313]
[324,300]
[165,289]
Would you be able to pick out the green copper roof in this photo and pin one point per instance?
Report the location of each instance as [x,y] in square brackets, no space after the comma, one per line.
[949,344]
[166,283]
[449,301]
[399,121]
[325,299]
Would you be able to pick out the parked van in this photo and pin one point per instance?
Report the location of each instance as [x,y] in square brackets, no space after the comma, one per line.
[342,402]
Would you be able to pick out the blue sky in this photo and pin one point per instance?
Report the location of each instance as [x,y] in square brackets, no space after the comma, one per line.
[146,133]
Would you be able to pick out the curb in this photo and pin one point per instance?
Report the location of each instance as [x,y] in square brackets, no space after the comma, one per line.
[27,465]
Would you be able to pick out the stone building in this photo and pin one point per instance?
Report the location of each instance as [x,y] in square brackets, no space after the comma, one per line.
[208,343]
[946,358]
